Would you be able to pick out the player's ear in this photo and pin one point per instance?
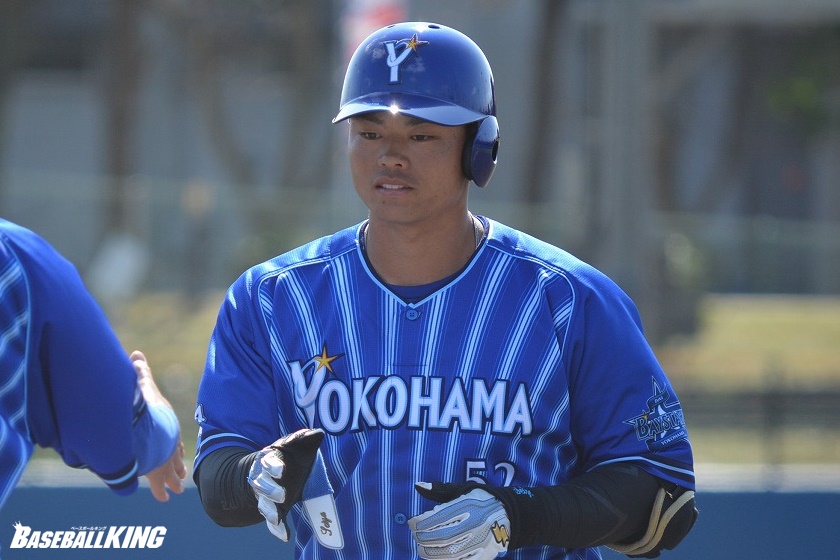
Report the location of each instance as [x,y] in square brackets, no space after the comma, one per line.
[466,152]
[481,149]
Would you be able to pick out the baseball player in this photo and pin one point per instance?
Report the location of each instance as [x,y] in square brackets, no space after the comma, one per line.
[66,383]
[432,383]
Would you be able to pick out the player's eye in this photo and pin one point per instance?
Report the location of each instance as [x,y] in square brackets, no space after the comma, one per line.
[421,137]
[368,135]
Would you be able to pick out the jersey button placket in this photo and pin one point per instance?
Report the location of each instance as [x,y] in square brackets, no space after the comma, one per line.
[412,314]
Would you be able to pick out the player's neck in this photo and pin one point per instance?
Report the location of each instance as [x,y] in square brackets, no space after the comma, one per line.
[407,256]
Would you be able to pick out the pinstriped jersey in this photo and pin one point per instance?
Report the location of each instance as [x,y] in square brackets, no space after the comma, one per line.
[15,447]
[65,380]
[529,367]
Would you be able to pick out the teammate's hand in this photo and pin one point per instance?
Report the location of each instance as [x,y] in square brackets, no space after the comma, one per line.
[171,473]
[279,473]
[472,525]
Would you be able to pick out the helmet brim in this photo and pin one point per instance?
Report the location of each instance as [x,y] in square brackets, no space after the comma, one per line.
[421,107]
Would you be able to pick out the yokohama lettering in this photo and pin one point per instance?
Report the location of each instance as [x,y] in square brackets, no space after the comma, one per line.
[416,403]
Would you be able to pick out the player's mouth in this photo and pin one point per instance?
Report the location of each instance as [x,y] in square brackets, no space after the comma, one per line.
[391,184]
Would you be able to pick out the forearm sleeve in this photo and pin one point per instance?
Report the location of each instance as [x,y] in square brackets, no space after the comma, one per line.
[222,481]
[608,504]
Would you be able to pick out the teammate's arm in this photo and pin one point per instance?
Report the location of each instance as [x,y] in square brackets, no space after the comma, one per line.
[610,504]
[132,430]
[155,433]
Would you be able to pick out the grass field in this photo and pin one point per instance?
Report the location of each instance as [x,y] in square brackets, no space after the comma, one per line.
[744,342]
[748,341]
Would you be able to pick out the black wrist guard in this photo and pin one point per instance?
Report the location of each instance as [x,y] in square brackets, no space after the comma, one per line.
[611,504]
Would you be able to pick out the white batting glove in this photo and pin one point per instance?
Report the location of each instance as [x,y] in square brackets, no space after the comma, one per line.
[473,526]
[279,474]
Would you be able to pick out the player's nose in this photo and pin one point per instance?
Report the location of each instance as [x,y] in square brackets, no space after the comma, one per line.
[393,154]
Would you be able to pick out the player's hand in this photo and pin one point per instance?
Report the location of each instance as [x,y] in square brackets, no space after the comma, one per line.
[172,472]
[169,475]
[279,474]
[145,380]
[470,523]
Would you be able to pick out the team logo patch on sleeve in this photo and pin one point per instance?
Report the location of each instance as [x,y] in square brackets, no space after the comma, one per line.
[662,423]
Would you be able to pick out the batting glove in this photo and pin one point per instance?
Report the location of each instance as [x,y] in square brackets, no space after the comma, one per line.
[278,475]
[472,525]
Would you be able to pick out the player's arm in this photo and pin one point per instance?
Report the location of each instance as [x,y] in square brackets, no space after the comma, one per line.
[240,484]
[239,488]
[132,406]
[155,431]
[612,504]
[83,364]
[235,374]
[222,482]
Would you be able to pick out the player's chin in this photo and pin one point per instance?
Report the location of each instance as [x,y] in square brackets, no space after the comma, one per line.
[387,200]
[391,207]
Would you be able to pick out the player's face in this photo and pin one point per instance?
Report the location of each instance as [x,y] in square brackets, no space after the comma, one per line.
[407,170]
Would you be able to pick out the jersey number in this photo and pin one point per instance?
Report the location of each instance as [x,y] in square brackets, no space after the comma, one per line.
[478,471]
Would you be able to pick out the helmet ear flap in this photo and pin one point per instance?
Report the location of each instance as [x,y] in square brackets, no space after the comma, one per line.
[480,151]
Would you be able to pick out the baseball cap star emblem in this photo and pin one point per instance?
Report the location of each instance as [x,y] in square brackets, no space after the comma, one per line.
[414,43]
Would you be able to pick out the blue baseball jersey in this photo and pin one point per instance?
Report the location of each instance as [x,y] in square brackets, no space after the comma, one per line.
[65,381]
[528,368]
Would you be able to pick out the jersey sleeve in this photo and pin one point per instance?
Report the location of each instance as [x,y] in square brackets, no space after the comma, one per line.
[236,400]
[623,406]
[15,444]
[156,434]
[85,403]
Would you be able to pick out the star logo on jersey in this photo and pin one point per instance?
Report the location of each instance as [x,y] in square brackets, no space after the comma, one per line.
[662,423]
[406,48]
[324,360]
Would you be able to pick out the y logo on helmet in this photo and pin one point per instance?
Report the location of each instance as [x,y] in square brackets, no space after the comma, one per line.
[394,60]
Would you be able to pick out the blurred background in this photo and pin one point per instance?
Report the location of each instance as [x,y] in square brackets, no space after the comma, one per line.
[688,148]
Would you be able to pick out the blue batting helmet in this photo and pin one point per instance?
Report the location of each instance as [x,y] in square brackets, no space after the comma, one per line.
[431,72]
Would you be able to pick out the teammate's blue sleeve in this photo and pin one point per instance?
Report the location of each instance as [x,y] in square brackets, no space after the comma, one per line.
[83,393]
[152,432]
[15,444]
[622,403]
